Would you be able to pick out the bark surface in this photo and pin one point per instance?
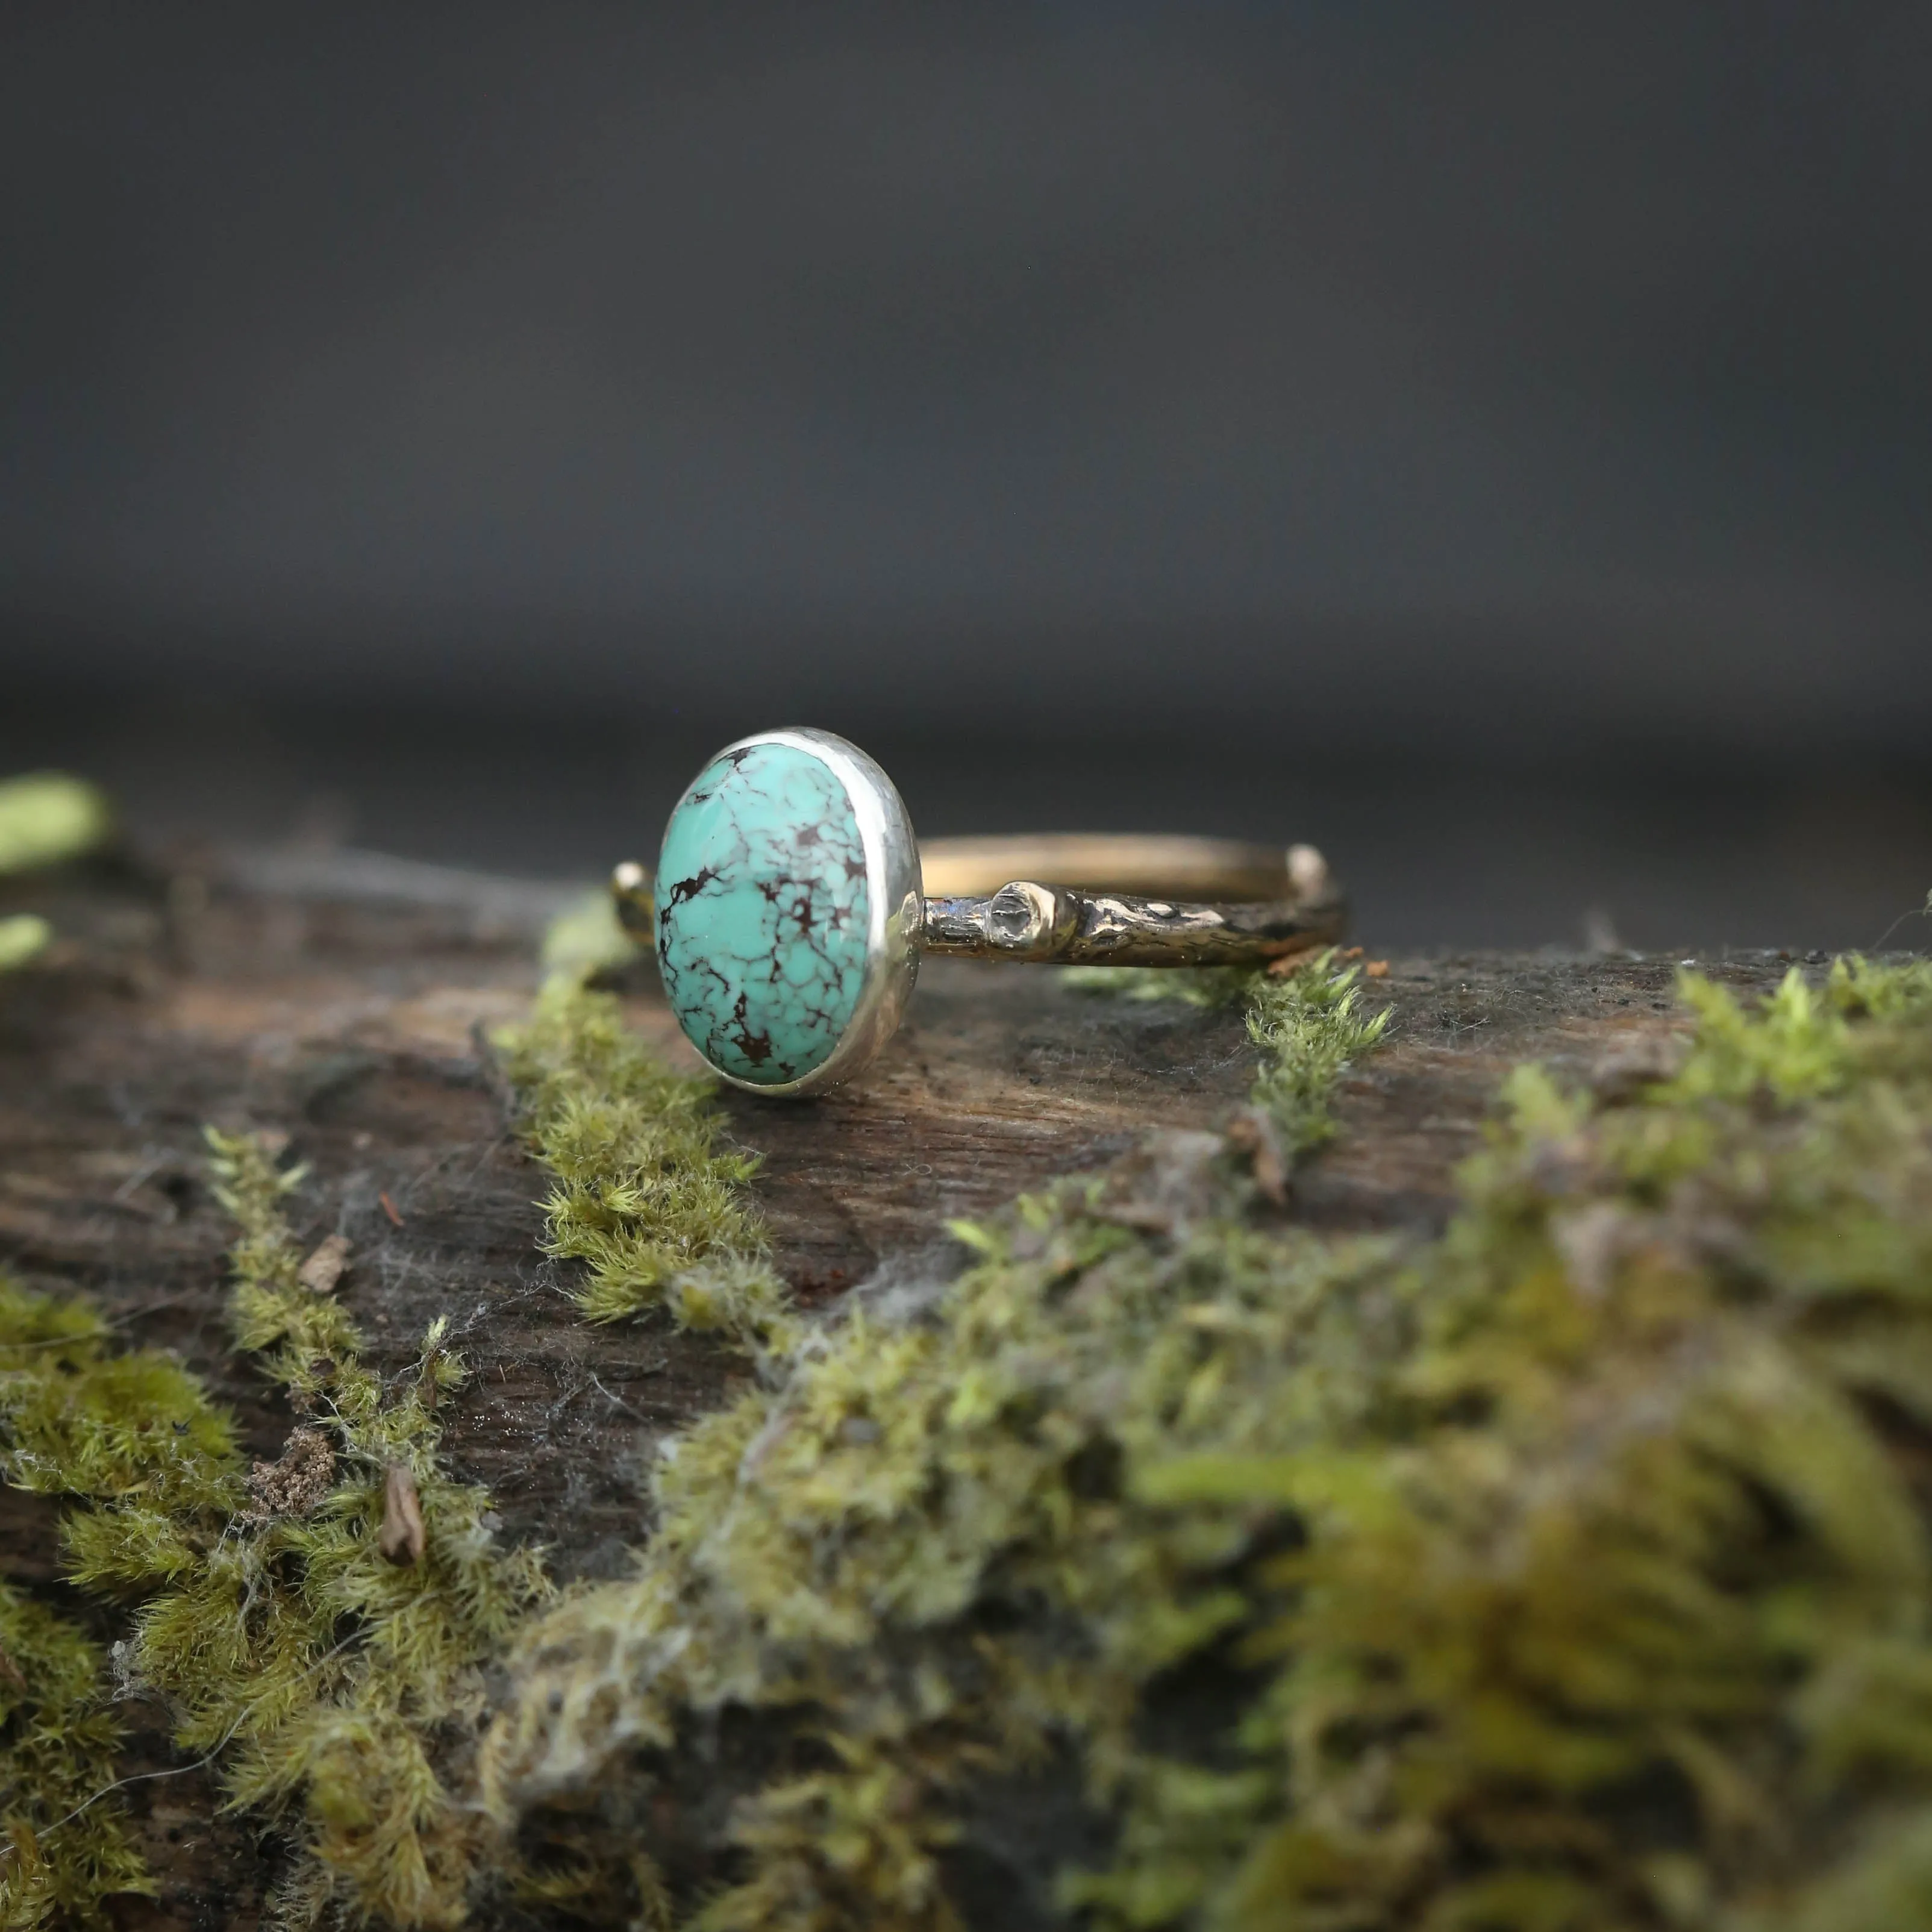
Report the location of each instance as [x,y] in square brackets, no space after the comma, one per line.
[350,1009]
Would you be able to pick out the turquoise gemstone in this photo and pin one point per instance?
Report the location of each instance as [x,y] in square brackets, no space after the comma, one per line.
[763,908]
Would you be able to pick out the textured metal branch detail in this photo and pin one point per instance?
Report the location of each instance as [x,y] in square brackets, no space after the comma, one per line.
[1026,922]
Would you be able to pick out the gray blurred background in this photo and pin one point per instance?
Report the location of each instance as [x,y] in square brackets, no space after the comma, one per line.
[1492,441]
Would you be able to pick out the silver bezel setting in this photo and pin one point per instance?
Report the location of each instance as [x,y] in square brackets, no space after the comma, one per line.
[895,912]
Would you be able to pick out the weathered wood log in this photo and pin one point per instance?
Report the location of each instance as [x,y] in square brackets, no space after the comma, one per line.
[349,1005]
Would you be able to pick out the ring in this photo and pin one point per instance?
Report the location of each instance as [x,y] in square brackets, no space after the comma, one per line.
[791,907]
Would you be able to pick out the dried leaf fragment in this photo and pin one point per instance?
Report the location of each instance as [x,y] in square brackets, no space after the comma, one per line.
[400,1539]
[324,1268]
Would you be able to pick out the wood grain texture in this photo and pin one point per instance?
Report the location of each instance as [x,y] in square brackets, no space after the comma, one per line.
[355,1021]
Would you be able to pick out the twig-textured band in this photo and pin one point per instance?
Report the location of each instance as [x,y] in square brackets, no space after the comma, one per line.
[1231,903]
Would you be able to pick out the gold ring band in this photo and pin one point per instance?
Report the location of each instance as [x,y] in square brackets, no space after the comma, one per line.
[1112,862]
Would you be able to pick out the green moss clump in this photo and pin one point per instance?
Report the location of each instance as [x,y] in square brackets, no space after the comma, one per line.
[1618,1609]
[81,1420]
[330,1681]
[586,939]
[24,936]
[1310,1025]
[47,818]
[325,1673]
[1572,1570]
[647,1200]
[843,1548]
[66,1848]
[642,1195]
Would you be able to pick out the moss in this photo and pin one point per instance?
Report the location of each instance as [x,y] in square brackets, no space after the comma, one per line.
[1572,1569]
[81,1420]
[643,1196]
[47,818]
[330,1681]
[1309,1024]
[646,1198]
[1631,1518]
[328,1675]
[586,939]
[1568,1573]
[24,936]
[66,1848]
